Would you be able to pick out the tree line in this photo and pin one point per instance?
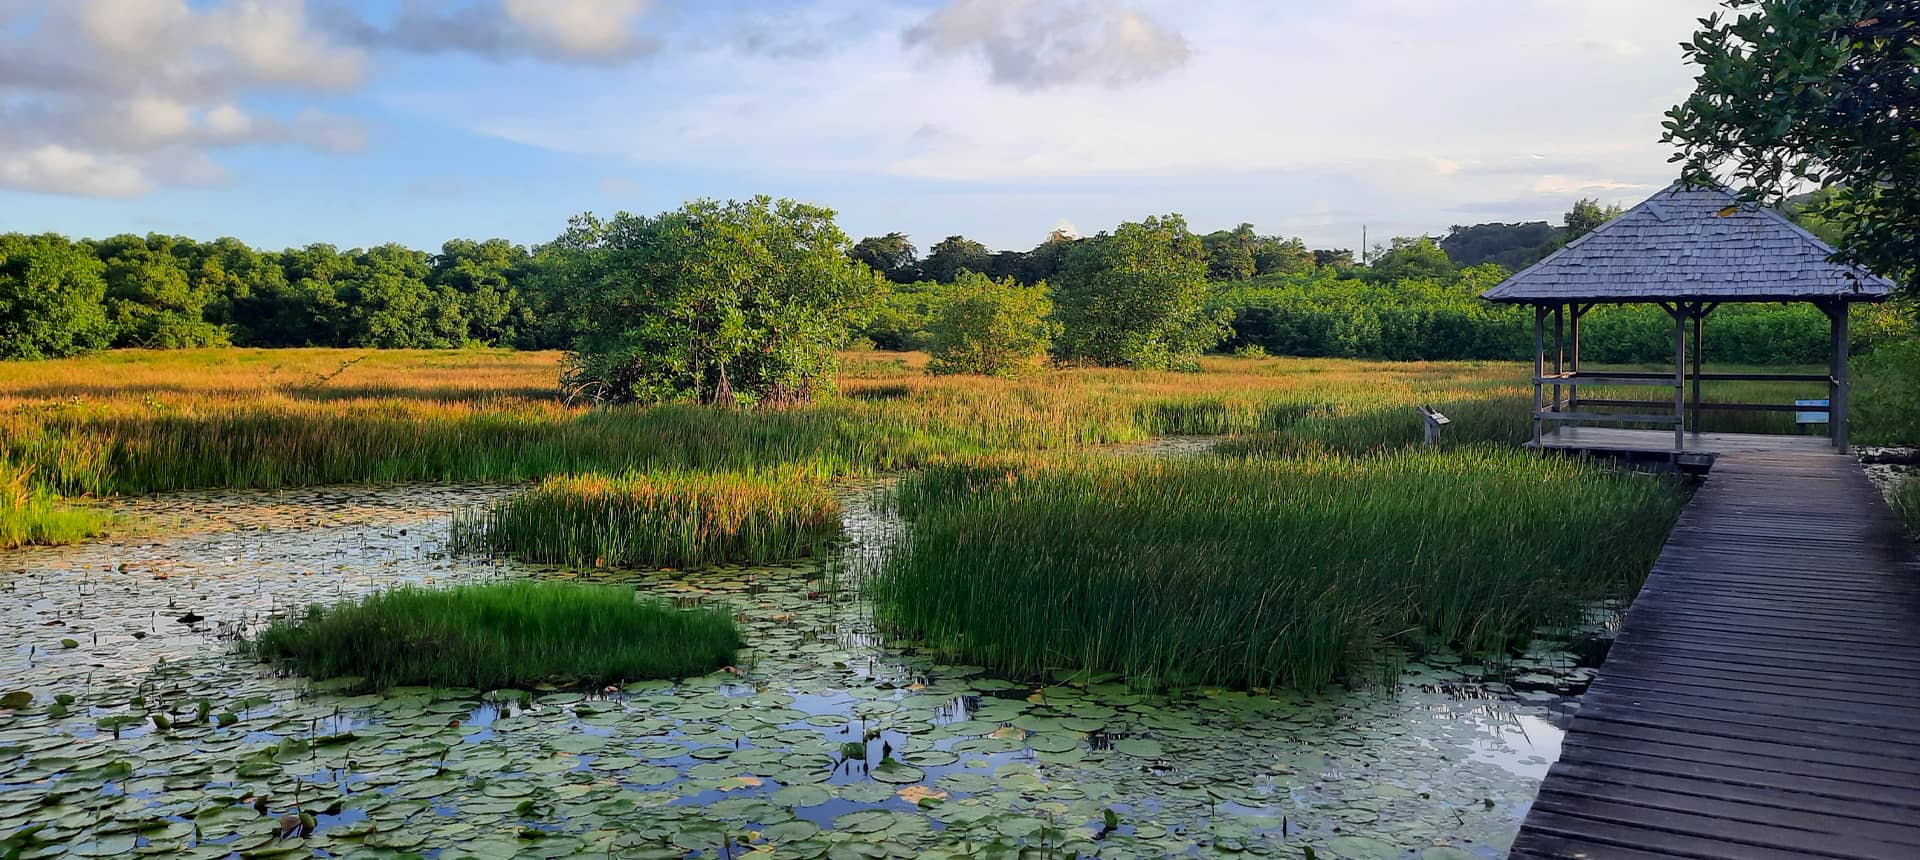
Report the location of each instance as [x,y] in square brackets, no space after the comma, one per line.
[747,301]
[59,296]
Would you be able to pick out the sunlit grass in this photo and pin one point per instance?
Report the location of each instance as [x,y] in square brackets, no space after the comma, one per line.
[496,635]
[30,515]
[658,519]
[1257,573]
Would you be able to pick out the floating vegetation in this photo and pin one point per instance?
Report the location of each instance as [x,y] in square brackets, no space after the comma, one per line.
[1257,573]
[658,519]
[506,634]
[809,753]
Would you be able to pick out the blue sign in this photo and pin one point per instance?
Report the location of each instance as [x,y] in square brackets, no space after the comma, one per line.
[1810,417]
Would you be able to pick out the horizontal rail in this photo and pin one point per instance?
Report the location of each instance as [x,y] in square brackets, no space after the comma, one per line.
[1763,377]
[1706,406]
[1619,375]
[1619,418]
[1577,381]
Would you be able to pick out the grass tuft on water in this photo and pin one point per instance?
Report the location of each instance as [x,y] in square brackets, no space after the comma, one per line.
[1292,572]
[32,516]
[658,519]
[494,635]
[1906,502]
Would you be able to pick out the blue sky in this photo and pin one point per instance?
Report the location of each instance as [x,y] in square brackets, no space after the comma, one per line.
[285,122]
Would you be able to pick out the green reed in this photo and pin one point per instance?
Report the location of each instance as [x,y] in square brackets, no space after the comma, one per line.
[30,515]
[1256,573]
[1906,502]
[656,519]
[512,634]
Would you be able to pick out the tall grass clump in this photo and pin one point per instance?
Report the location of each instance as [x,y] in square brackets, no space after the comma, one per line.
[1906,503]
[493,635]
[658,519]
[32,516]
[1257,573]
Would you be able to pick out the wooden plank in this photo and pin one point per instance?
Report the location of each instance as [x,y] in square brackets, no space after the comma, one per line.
[1762,698]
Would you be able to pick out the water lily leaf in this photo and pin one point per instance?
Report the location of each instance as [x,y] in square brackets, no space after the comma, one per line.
[795,796]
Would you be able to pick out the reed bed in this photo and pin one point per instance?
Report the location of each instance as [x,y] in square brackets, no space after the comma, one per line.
[131,422]
[1291,572]
[510,634]
[32,516]
[658,519]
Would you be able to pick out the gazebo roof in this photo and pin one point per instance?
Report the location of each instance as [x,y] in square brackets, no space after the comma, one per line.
[1678,246]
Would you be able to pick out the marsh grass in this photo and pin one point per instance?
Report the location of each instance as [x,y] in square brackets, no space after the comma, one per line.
[513,634]
[137,421]
[1256,573]
[658,519]
[1906,502]
[32,516]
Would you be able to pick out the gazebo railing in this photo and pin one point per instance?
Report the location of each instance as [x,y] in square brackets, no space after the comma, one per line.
[1558,380]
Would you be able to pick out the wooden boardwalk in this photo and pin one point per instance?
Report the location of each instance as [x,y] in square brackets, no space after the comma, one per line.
[1763,698]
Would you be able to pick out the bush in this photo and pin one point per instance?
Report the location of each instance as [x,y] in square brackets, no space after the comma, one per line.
[658,519]
[1886,395]
[1135,298]
[502,635]
[993,328]
[737,302]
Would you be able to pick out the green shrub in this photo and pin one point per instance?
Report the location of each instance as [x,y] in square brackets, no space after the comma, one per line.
[1290,572]
[993,328]
[495,635]
[1444,319]
[1136,298]
[658,519]
[1886,395]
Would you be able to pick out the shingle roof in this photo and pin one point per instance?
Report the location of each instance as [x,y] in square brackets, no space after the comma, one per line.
[1678,246]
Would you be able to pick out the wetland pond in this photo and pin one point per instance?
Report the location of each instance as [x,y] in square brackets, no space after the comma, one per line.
[825,741]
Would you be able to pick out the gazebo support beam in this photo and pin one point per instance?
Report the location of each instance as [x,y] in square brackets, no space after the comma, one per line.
[1539,369]
[1679,313]
[1838,385]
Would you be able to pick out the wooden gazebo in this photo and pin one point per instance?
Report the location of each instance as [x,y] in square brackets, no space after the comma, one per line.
[1688,251]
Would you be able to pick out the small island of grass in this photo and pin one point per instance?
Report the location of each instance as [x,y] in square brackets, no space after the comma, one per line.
[502,635]
[665,518]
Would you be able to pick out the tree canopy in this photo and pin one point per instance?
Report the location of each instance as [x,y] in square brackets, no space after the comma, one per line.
[51,298]
[1794,92]
[735,302]
[1136,297]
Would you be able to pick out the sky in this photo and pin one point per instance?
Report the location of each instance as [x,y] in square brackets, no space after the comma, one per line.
[359,122]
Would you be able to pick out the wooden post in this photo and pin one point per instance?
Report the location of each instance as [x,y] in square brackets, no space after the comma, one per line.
[1539,359]
[1838,387]
[1573,394]
[1699,317]
[1679,377]
[1559,352]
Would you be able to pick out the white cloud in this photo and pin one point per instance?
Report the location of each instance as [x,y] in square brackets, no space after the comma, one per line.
[586,29]
[584,32]
[1034,44]
[115,97]
[1415,110]
[57,169]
